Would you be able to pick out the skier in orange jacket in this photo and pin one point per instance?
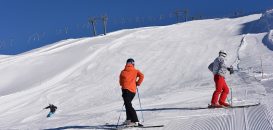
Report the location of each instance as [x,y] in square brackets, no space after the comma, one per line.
[129,79]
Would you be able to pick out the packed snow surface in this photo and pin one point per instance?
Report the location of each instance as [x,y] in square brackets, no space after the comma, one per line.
[80,77]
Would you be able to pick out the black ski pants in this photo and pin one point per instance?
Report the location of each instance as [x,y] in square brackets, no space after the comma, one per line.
[130,111]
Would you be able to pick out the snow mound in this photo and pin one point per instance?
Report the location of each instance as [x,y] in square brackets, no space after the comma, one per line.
[269,38]
[261,25]
[267,20]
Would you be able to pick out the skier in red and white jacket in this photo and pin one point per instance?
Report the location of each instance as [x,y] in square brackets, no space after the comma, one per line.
[219,69]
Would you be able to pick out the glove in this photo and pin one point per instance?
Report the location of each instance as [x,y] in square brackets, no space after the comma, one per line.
[231,71]
[228,69]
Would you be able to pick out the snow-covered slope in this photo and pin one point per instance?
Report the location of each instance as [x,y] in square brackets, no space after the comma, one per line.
[80,76]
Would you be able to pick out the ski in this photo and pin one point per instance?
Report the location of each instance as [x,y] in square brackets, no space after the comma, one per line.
[121,127]
[235,106]
[145,126]
[244,106]
[151,126]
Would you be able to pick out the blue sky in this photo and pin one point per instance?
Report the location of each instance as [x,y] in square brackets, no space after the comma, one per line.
[29,24]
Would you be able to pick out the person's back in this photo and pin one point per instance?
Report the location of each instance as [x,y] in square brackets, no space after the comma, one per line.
[128,78]
[53,108]
[219,66]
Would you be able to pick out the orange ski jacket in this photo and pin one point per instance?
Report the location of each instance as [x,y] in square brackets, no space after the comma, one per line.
[128,78]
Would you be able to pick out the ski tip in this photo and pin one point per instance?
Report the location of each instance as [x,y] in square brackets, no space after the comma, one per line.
[151,126]
[245,106]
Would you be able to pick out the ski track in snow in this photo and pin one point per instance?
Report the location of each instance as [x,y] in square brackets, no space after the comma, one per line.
[80,76]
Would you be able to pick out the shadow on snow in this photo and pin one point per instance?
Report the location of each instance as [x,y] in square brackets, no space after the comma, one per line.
[104,127]
[267,43]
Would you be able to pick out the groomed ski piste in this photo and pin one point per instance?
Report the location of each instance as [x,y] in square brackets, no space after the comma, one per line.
[80,76]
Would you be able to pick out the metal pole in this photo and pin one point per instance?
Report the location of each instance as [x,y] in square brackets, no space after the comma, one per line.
[231,96]
[93,22]
[119,115]
[140,105]
[186,14]
[262,67]
[104,19]
[177,16]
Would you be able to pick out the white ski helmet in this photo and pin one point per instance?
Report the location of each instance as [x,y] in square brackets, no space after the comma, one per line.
[223,53]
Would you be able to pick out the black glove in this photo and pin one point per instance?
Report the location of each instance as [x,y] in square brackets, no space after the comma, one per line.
[230,69]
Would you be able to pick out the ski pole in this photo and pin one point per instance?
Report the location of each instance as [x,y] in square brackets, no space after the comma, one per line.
[140,105]
[231,96]
[119,115]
